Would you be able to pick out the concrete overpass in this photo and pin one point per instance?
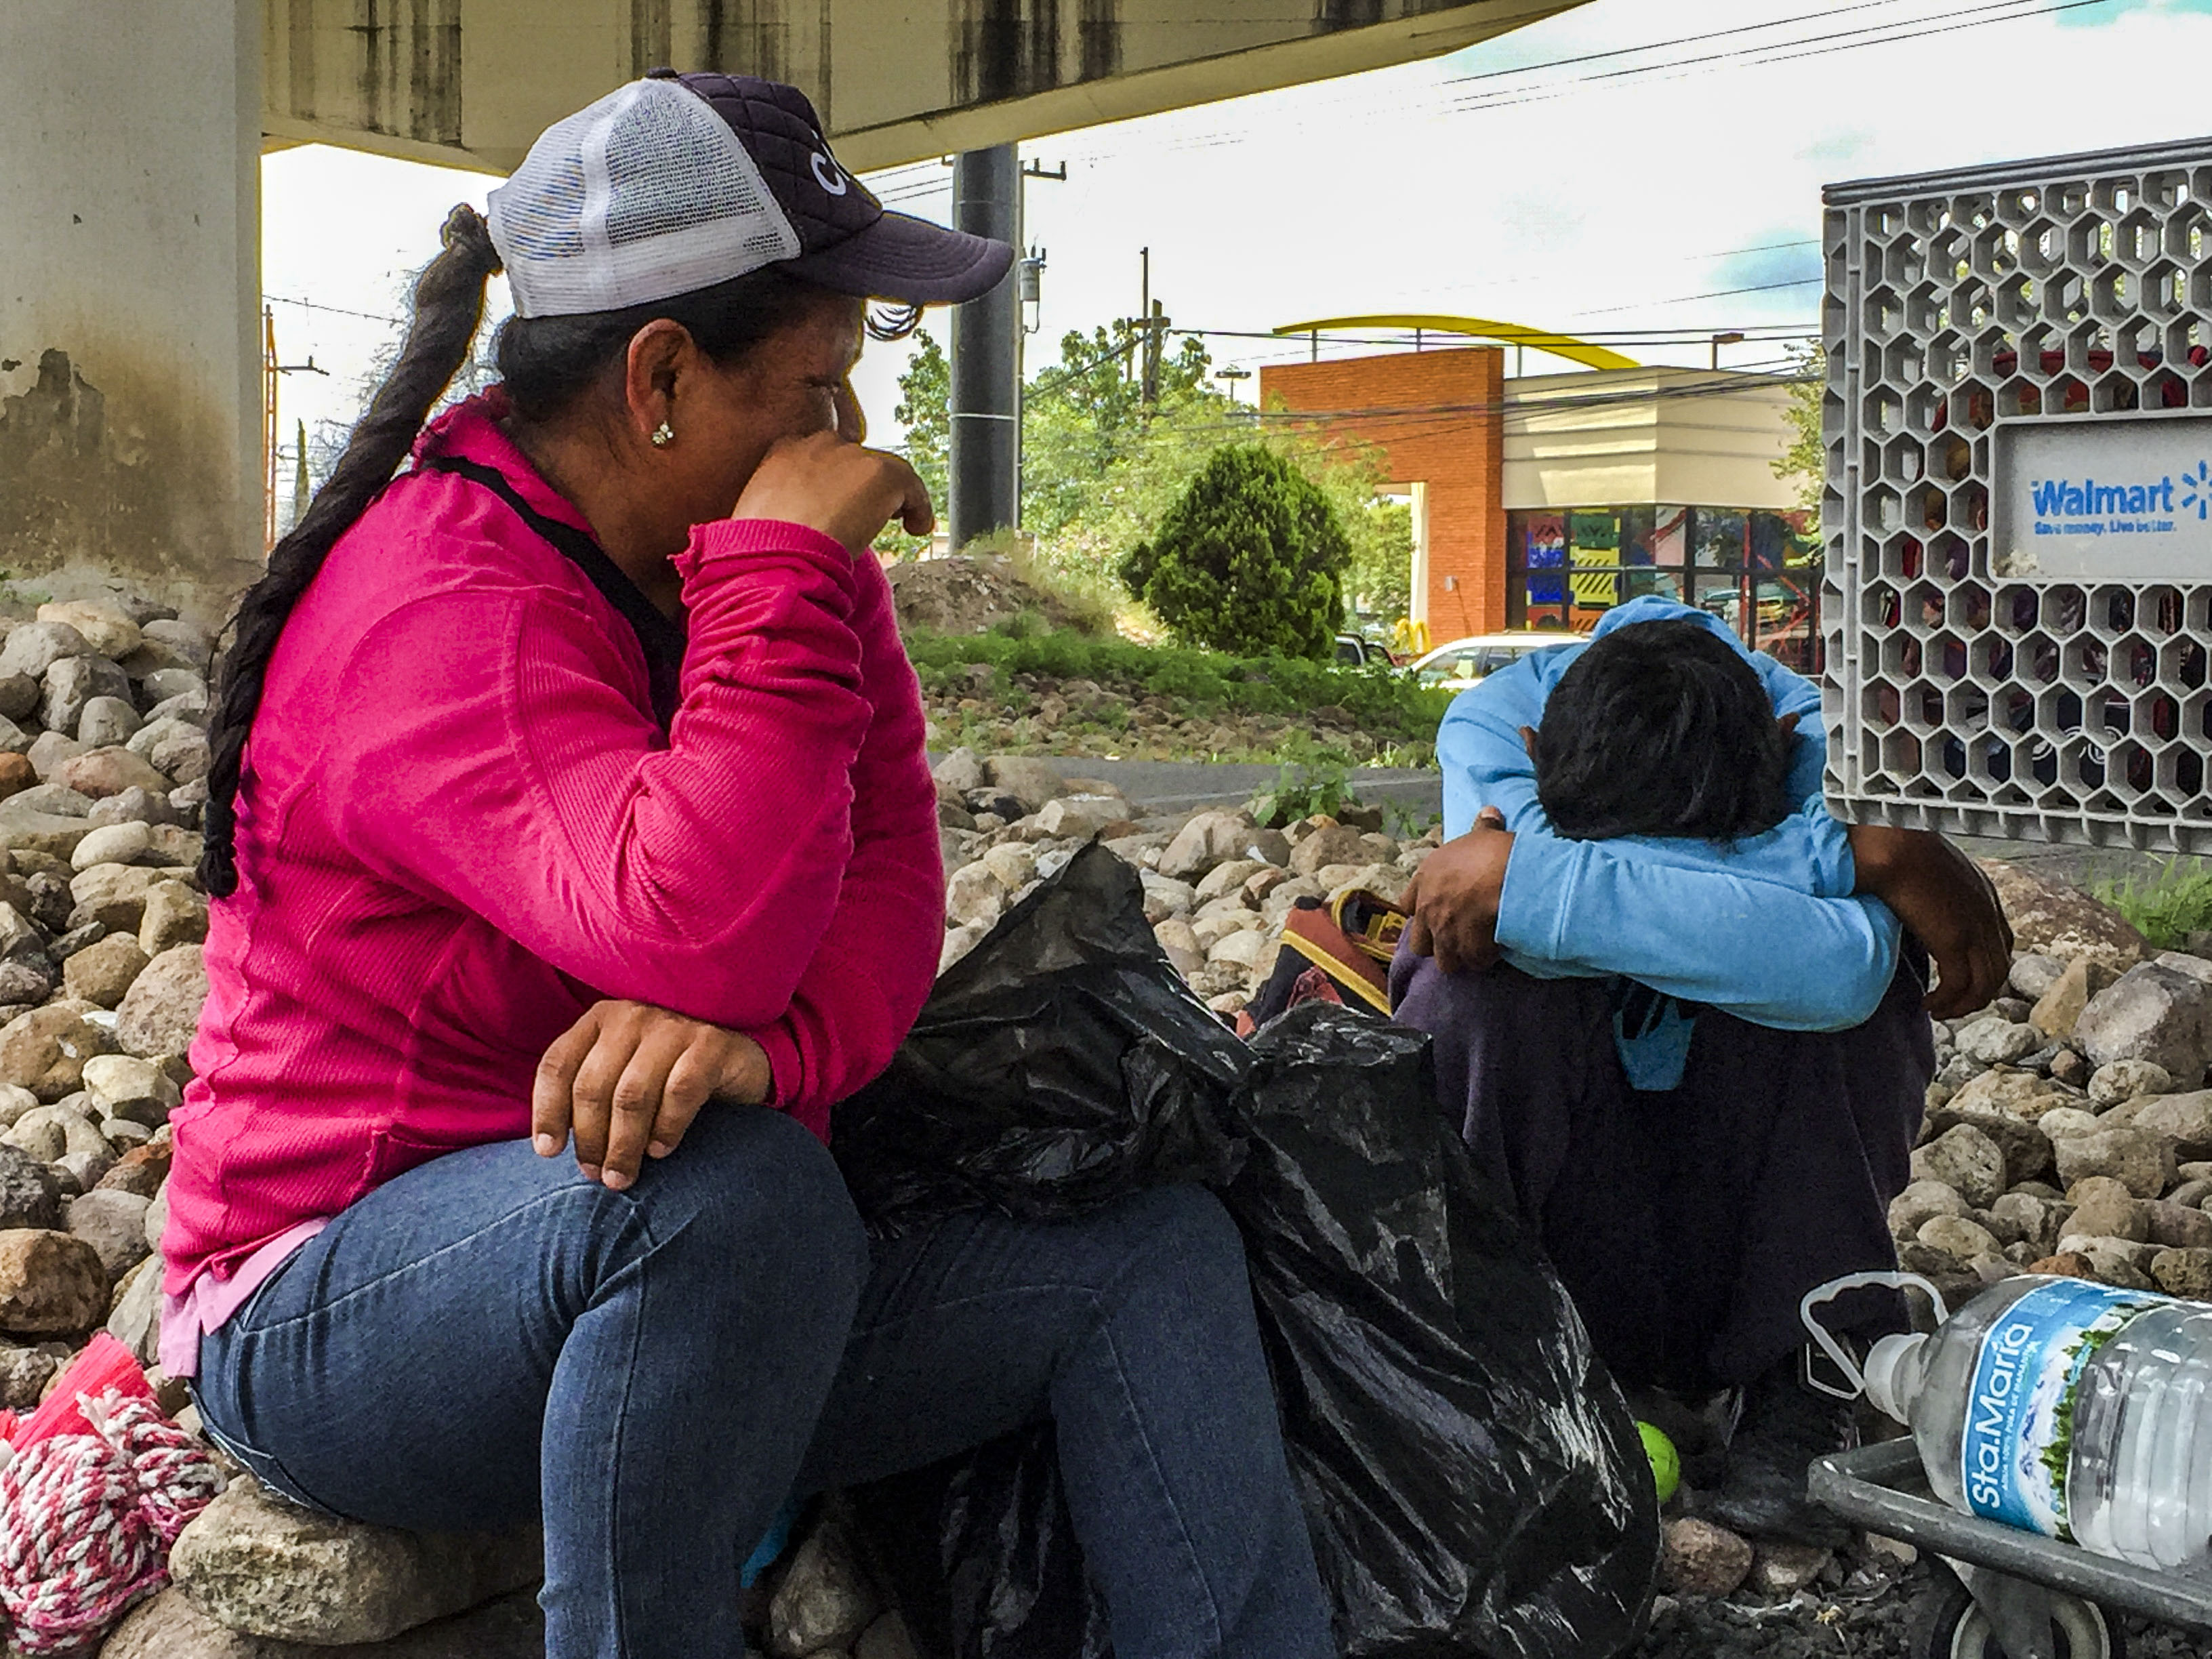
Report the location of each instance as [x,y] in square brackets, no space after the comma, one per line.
[131,133]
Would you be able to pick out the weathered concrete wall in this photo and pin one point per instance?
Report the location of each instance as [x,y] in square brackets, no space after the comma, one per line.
[472,82]
[130,272]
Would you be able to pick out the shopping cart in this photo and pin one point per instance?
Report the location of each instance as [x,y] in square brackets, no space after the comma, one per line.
[2009,1593]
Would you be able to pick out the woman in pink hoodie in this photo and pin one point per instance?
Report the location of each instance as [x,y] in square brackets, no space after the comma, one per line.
[568,792]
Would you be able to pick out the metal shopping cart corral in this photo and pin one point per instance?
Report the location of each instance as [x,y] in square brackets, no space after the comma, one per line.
[2013,1595]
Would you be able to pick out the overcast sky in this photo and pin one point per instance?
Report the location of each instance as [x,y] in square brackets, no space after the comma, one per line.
[1608,171]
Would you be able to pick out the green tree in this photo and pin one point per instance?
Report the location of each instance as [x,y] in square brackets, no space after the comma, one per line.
[925,410]
[1250,559]
[1805,462]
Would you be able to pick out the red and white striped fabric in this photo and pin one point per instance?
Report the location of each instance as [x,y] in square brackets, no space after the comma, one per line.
[97,1485]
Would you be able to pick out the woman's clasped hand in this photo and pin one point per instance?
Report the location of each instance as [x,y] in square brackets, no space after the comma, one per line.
[626,1080]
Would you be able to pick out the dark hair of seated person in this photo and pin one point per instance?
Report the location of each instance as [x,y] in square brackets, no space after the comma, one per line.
[1662,728]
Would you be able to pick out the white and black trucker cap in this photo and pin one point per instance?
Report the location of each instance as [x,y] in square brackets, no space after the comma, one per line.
[677,182]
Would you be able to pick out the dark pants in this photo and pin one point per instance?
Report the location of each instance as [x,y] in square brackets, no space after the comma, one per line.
[490,1337]
[1686,1225]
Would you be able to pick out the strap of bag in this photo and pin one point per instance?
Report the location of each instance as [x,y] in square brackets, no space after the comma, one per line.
[661,640]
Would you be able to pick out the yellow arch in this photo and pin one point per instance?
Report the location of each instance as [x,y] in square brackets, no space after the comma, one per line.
[1559,345]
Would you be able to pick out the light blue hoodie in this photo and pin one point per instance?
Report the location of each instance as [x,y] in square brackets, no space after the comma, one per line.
[1764,927]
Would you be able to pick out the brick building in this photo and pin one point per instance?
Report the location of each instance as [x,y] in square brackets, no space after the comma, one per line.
[1542,501]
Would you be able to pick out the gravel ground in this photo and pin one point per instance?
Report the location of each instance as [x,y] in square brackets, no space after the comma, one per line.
[1867,1618]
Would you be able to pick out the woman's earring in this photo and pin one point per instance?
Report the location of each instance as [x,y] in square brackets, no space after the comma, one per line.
[663,435]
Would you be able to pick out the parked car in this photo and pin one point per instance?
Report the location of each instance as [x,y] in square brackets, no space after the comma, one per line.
[1458,664]
[1355,651]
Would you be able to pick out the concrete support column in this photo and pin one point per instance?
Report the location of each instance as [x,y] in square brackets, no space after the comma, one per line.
[129,285]
[985,464]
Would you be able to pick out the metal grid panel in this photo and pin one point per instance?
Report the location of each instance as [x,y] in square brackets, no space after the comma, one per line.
[1962,309]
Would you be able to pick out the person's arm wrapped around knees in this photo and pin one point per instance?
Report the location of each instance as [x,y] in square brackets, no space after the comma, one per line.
[1775,936]
[1794,926]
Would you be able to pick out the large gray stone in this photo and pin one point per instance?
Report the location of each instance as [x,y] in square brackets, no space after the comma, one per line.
[2058,1010]
[33,648]
[1998,1041]
[259,1565]
[2055,919]
[71,683]
[2151,1013]
[2033,974]
[29,1196]
[2026,1148]
[2123,1079]
[824,1601]
[2022,1095]
[2185,1120]
[51,1284]
[1082,815]
[114,1224]
[1966,1160]
[104,627]
[45,1049]
[191,642]
[137,1090]
[161,1010]
[134,1313]
[2136,1157]
[39,831]
[960,771]
[175,915]
[1921,1202]
[1032,782]
[170,1627]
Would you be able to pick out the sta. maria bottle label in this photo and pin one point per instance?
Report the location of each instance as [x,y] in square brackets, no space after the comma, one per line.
[2020,1419]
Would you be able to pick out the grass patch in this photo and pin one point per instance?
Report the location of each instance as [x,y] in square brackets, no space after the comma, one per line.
[2167,909]
[1386,705]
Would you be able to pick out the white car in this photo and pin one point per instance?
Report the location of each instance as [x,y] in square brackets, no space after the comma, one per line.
[1459,664]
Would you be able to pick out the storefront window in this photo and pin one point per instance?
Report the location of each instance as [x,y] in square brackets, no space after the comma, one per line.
[1757,571]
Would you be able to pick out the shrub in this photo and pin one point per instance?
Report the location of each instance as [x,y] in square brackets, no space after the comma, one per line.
[2167,909]
[1250,559]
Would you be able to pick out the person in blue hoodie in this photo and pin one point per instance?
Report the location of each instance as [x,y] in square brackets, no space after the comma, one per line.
[1676,1015]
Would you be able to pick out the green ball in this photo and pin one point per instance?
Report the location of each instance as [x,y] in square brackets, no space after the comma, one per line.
[1666,1463]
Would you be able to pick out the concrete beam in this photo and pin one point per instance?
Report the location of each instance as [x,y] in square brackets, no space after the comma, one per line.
[130,280]
[470,83]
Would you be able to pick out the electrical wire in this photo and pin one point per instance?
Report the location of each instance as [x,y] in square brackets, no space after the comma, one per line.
[336,311]
[1941,22]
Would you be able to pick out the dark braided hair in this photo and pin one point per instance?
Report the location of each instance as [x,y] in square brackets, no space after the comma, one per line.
[448,306]
[547,364]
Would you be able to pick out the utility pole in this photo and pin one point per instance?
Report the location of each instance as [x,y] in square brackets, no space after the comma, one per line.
[1151,319]
[984,469]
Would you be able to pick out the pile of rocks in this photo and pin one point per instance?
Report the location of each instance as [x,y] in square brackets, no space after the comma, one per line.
[2069,1130]
[1217,886]
[103,762]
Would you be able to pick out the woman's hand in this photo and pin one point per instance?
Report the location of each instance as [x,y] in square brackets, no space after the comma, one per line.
[830,484]
[627,1080]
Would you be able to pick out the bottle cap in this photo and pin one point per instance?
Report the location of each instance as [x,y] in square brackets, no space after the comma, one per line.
[1886,1374]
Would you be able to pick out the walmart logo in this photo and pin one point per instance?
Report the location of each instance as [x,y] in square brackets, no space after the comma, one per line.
[2197,489]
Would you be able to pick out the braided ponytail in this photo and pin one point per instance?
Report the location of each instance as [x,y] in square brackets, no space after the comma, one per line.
[448,307]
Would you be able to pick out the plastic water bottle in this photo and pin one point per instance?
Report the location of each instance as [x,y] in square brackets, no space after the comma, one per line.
[2079,1411]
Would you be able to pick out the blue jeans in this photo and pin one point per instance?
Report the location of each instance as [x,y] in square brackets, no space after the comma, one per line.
[490,1337]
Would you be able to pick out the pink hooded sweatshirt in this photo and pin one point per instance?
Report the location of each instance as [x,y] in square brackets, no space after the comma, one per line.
[460,826]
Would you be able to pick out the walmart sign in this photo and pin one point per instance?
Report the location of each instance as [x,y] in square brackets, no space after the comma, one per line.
[2117,498]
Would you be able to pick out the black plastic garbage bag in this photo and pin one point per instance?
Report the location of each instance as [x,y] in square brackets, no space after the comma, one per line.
[1474,1484]
[1062,1063]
